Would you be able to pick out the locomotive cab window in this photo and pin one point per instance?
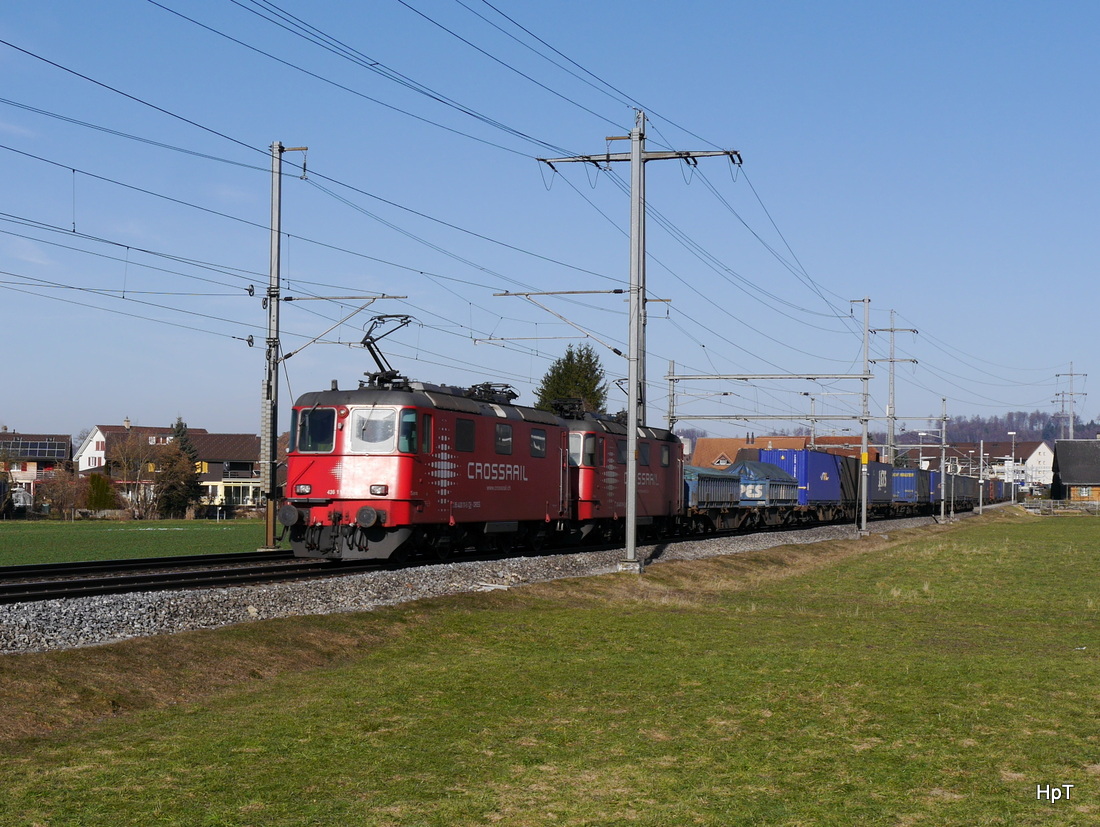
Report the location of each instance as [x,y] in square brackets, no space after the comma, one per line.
[373,430]
[538,442]
[464,435]
[314,430]
[504,438]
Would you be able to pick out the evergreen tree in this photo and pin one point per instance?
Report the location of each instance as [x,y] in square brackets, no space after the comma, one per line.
[181,438]
[577,375]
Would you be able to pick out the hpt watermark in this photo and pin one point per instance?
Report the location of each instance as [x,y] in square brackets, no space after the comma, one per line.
[1053,792]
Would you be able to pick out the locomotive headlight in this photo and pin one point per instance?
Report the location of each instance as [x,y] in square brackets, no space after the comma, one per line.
[379,490]
[303,489]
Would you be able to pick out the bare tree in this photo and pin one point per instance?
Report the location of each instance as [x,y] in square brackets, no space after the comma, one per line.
[133,459]
[64,490]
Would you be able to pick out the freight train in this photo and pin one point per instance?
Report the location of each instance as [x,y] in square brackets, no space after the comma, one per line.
[396,469]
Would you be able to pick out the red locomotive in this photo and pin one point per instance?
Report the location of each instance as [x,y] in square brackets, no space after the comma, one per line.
[597,468]
[399,467]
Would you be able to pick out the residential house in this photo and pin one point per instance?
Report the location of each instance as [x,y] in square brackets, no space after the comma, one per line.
[28,458]
[1076,470]
[107,440]
[229,468]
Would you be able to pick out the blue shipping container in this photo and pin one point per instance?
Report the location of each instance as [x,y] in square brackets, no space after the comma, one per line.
[822,477]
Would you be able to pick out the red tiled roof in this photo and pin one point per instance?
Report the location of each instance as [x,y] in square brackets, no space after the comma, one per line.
[709,449]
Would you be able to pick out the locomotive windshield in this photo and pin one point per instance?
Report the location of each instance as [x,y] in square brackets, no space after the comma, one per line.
[582,449]
[314,430]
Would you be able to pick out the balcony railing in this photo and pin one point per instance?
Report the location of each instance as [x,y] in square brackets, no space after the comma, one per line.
[242,474]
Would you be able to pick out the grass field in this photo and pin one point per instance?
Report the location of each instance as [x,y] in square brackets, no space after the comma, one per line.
[56,541]
[932,678]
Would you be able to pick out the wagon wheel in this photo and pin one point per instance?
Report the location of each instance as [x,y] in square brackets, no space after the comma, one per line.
[536,539]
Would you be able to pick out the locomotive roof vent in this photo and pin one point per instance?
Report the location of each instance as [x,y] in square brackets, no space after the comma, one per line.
[428,387]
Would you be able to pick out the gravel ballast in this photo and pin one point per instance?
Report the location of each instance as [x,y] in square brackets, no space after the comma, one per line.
[87,621]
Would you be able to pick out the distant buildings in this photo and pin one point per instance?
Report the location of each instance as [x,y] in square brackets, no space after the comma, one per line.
[228,464]
[1076,470]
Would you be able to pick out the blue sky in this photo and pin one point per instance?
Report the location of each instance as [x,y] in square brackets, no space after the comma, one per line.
[937,158]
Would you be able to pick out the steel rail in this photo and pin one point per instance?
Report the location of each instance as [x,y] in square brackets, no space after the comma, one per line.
[26,591]
[139,563]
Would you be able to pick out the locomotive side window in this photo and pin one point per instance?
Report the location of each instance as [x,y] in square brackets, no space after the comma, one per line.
[666,456]
[426,434]
[643,453]
[316,430]
[538,442]
[504,438]
[620,451]
[406,442]
[464,435]
[373,430]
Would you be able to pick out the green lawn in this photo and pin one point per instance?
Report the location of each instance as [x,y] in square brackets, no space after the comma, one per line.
[55,541]
[934,678]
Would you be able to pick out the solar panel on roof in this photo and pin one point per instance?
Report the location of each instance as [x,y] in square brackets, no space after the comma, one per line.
[34,449]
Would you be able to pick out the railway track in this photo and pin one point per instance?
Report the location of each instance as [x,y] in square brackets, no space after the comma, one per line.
[48,581]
